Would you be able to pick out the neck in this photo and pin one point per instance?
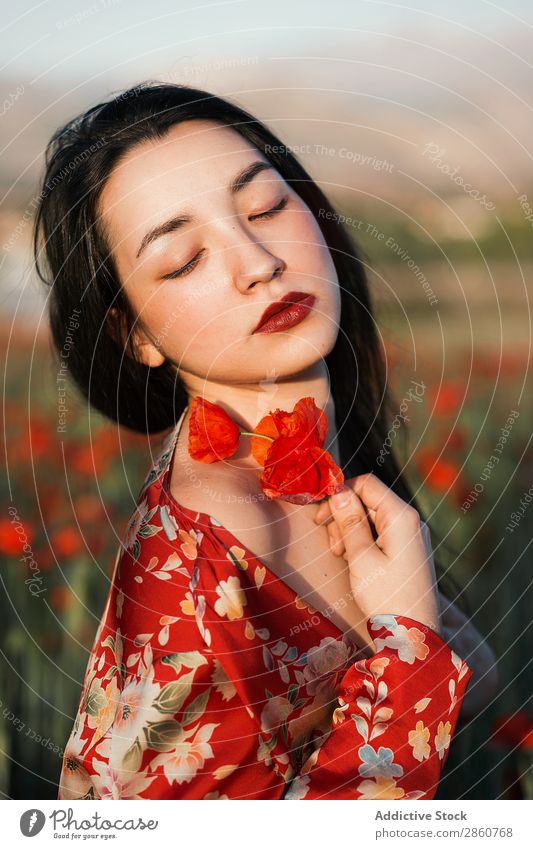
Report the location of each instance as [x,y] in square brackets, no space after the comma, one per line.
[248,403]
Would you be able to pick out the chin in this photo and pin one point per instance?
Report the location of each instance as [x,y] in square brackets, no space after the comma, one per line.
[299,357]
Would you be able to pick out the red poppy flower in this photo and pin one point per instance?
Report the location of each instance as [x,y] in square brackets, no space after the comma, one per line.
[306,420]
[66,542]
[441,475]
[213,435]
[260,446]
[12,541]
[296,467]
[299,475]
[446,398]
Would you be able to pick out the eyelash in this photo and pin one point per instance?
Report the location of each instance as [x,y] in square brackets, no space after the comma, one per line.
[185,269]
[270,212]
[188,267]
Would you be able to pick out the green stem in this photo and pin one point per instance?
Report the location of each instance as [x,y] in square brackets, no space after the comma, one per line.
[261,435]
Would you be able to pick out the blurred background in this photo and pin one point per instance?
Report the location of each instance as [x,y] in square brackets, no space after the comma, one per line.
[417,122]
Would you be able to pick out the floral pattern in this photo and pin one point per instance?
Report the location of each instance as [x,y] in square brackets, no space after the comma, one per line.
[207,680]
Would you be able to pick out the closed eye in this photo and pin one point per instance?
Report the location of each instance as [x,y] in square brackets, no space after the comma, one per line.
[185,269]
[189,266]
[270,212]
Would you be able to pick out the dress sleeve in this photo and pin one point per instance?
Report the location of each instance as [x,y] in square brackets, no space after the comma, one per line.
[395,716]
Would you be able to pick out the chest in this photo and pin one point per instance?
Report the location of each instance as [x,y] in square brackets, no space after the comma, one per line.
[302,558]
[285,538]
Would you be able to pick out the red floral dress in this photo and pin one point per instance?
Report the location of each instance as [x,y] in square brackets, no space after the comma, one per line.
[210,678]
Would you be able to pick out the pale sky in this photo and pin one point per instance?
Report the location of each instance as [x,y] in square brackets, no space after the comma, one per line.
[383,77]
[56,40]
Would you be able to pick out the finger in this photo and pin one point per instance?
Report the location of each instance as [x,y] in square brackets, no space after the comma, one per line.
[396,521]
[350,517]
[323,512]
[336,541]
[374,493]
[323,515]
[330,523]
[326,520]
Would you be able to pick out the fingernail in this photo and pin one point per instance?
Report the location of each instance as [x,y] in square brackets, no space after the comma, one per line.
[341,499]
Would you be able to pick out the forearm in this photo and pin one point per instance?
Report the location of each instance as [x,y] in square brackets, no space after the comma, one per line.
[394,722]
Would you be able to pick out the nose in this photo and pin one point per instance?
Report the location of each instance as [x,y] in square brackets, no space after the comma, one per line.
[254,263]
[271,268]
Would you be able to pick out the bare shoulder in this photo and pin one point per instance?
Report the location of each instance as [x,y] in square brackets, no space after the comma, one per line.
[233,497]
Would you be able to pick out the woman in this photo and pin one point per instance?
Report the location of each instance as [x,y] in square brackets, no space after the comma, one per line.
[319,668]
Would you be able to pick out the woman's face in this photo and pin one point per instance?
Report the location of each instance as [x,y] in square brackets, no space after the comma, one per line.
[235,260]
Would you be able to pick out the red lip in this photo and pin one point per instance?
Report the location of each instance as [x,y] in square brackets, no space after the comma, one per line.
[278,306]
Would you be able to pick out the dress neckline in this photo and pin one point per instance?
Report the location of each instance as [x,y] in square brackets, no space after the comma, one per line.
[211,522]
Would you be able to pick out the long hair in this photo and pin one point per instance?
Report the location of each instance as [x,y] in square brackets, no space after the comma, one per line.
[80,157]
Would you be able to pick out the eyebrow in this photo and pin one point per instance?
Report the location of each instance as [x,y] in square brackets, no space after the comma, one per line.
[238,183]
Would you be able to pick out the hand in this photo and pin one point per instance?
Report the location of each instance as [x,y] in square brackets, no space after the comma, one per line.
[382,539]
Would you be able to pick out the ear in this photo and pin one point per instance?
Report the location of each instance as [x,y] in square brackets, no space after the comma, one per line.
[146,351]
[148,354]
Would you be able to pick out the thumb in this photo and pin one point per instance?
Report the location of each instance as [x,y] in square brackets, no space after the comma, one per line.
[349,513]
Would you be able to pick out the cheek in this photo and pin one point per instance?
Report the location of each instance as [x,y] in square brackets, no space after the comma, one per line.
[300,226]
[306,244]
[191,321]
